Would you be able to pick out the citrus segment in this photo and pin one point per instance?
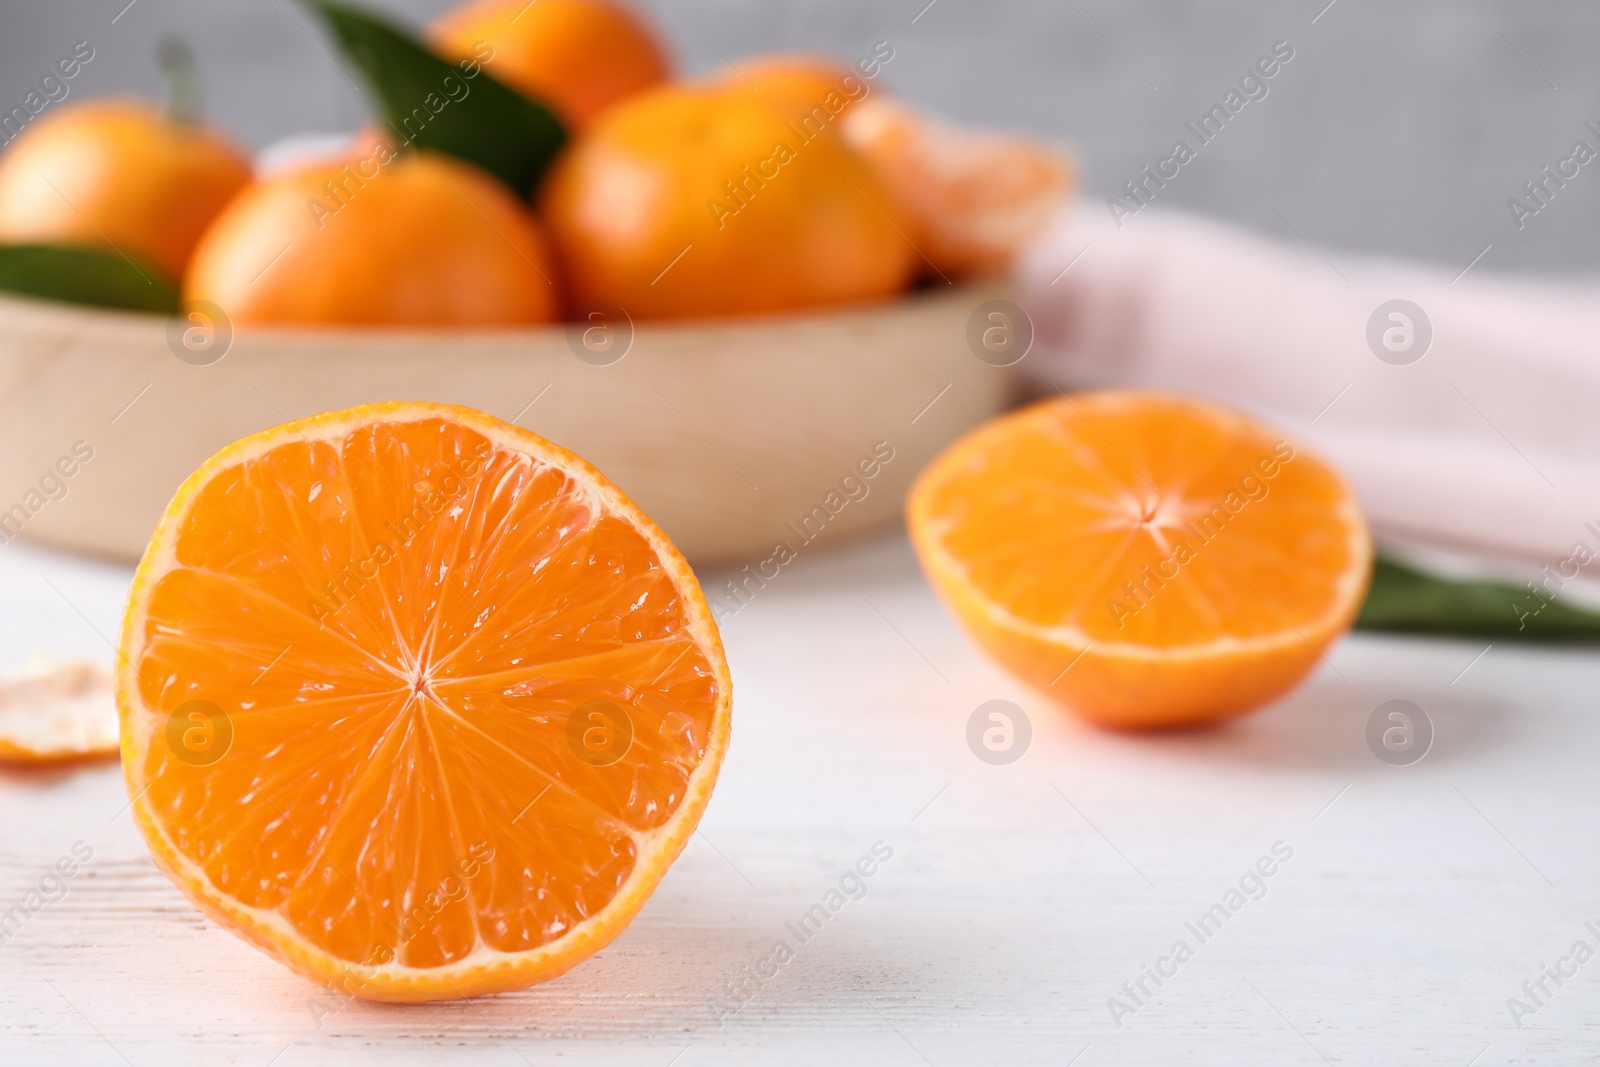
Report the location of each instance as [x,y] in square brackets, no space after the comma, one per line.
[974,198]
[1146,560]
[474,700]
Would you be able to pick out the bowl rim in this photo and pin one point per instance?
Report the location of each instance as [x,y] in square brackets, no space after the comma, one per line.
[64,315]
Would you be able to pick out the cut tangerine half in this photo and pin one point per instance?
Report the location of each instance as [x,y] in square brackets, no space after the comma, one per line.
[416,701]
[1145,560]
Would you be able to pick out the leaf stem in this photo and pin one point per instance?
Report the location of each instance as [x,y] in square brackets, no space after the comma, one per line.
[180,78]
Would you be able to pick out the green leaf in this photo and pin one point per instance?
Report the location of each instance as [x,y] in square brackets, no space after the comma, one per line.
[85,276]
[1409,601]
[429,102]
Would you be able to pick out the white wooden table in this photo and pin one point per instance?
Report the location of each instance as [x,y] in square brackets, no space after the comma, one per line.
[1017,901]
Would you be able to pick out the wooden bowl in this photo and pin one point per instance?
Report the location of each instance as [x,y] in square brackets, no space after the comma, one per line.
[733,435]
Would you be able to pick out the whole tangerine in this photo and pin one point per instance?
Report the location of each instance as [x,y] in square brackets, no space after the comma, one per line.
[120,175]
[800,82]
[700,200]
[580,57]
[412,238]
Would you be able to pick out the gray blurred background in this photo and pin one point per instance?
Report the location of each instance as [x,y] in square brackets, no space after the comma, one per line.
[1398,127]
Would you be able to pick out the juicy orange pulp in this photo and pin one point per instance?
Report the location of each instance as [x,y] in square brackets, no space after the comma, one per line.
[397,611]
[1146,560]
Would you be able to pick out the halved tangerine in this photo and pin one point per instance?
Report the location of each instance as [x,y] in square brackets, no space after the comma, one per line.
[416,701]
[1144,559]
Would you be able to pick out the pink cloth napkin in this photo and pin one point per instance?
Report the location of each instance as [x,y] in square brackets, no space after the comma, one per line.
[1486,449]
